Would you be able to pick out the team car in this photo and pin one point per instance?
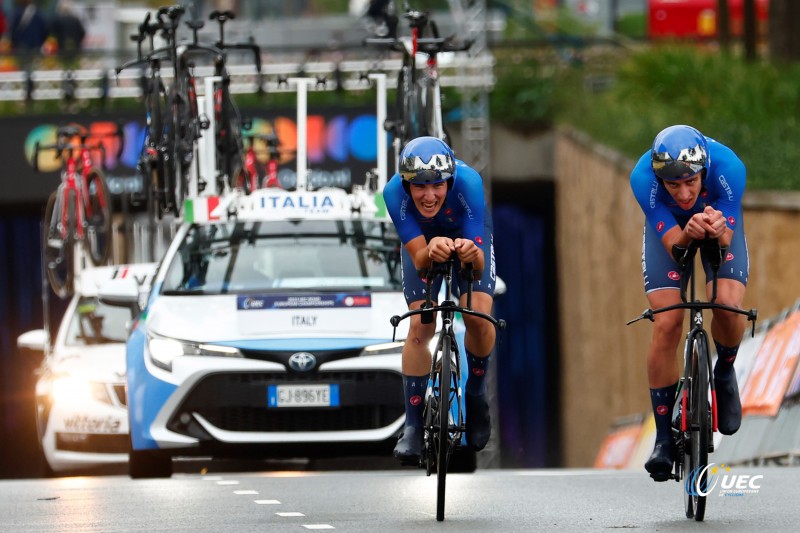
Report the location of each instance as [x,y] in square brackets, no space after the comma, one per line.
[81,406]
[266,332]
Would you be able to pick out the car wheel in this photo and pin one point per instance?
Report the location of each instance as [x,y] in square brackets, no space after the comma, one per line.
[149,464]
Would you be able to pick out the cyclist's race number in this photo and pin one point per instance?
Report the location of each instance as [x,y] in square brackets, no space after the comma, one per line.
[303,396]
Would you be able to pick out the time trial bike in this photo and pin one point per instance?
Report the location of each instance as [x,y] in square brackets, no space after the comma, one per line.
[695,408]
[444,416]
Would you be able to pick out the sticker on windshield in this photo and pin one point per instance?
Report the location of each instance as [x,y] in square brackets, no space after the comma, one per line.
[303,301]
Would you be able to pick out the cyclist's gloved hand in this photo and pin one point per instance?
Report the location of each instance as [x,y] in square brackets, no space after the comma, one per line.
[440,249]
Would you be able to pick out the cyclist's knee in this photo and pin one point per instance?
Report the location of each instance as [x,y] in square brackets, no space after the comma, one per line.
[420,334]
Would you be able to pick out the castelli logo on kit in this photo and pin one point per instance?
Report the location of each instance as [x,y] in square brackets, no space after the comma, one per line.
[729,257]
[662,409]
[674,276]
[659,227]
[731,221]
[479,239]
[448,211]
[415,400]
[478,372]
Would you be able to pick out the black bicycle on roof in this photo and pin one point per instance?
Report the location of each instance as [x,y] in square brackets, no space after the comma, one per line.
[418,101]
[693,430]
[444,418]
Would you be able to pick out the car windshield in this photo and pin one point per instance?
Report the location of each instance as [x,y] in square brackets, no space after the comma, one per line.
[96,323]
[242,257]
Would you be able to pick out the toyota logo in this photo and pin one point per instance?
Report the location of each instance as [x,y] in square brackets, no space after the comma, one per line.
[302,361]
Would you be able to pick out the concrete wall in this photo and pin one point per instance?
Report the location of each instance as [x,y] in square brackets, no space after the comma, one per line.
[599,235]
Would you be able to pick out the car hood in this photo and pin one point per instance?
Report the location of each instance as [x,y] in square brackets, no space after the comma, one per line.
[101,362]
[224,318]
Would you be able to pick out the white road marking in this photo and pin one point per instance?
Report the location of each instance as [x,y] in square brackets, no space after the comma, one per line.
[245,492]
[290,513]
[318,526]
[267,502]
[231,482]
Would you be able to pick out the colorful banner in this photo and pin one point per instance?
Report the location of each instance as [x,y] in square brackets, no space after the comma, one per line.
[342,147]
[775,366]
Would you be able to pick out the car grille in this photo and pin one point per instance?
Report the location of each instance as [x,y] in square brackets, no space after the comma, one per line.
[238,402]
[93,442]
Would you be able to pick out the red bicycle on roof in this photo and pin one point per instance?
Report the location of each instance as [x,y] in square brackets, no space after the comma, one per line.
[79,209]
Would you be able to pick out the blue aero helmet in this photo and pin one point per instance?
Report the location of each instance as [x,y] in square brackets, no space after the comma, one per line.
[679,152]
[427,160]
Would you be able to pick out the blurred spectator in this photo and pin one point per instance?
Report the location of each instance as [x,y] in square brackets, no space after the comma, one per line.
[68,31]
[28,27]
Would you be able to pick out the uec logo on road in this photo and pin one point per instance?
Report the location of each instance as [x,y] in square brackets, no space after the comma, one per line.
[702,480]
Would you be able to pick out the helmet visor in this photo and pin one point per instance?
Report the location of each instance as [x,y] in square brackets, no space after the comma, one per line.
[675,170]
[414,170]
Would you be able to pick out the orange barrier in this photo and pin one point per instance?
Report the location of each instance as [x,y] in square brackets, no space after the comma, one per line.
[617,447]
[774,367]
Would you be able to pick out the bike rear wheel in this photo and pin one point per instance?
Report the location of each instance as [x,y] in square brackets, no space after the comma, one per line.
[443,431]
[59,243]
[97,240]
[699,419]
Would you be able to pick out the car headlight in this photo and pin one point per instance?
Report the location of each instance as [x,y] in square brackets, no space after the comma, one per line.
[72,390]
[164,350]
[387,348]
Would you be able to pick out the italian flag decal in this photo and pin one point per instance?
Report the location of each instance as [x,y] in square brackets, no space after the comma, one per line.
[200,209]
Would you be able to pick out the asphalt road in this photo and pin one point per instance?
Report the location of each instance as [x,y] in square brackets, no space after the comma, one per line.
[396,500]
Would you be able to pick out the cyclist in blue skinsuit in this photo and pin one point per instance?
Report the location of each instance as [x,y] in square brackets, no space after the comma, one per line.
[437,204]
[690,187]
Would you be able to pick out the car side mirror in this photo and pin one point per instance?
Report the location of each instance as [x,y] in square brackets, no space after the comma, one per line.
[499,286]
[34,340]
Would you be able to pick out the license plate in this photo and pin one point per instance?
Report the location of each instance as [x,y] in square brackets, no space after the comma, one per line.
[303,396]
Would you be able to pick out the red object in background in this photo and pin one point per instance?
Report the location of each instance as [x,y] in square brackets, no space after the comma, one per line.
[691,19]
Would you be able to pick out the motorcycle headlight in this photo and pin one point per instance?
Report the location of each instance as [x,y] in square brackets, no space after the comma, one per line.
[164,350]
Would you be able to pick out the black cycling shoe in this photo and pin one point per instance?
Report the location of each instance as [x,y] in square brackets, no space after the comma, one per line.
[729,411]
[479,425]
[660,462]
[409,446]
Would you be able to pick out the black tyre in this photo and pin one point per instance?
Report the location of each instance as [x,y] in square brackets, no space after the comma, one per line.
[145,464]
[443,430]
[97,240]
[58,242]
[696,448]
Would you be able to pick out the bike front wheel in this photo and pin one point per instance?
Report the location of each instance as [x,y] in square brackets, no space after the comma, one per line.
[697,478]
[97,240]
[443,431]
[58,242]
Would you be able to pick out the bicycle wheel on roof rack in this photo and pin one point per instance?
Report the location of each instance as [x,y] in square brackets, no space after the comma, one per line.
[410,126]
[97,240]
[58,242]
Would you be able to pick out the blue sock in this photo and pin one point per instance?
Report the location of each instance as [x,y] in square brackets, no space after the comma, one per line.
[477,373]
[414,388]
[663,400]
[725,358]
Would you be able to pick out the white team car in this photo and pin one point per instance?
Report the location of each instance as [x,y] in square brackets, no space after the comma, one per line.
[81,407]
[266,332]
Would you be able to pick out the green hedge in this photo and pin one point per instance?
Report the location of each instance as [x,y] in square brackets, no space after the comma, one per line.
[752,107]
